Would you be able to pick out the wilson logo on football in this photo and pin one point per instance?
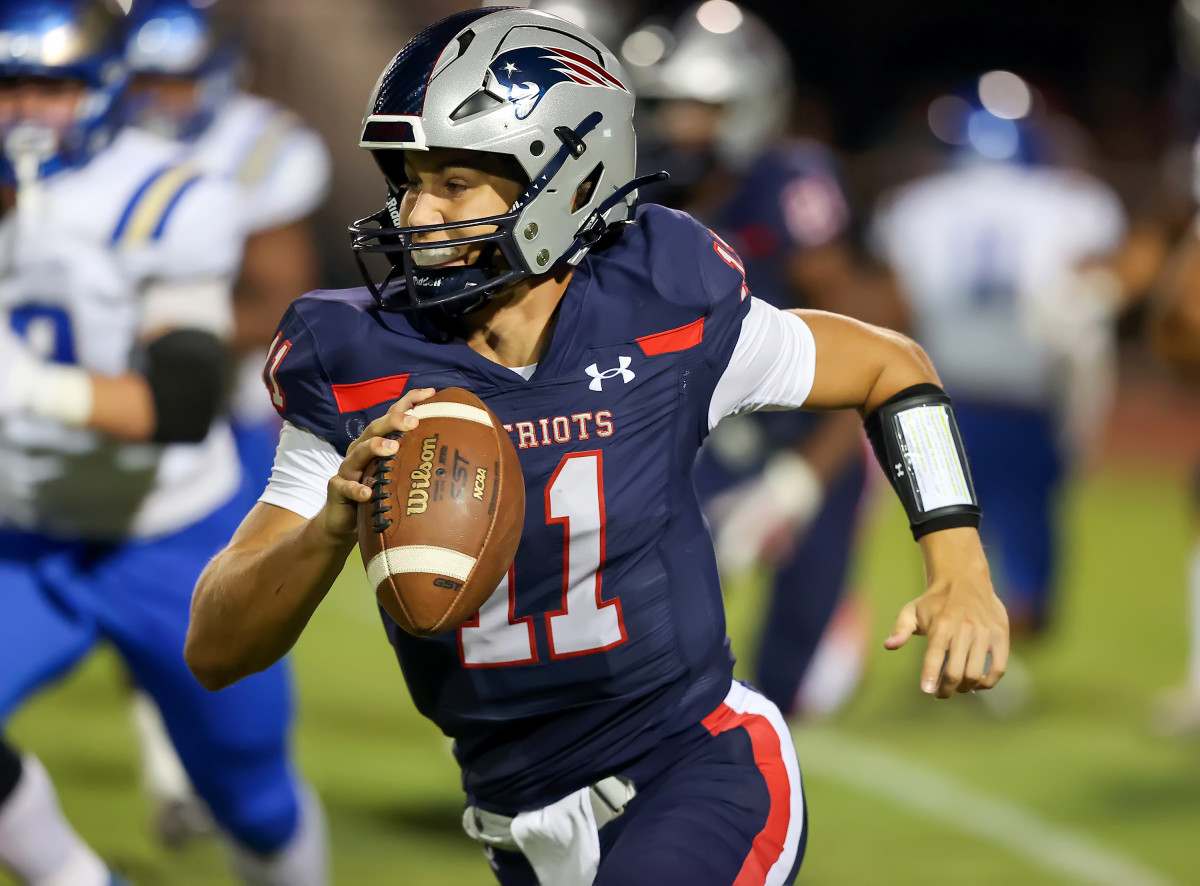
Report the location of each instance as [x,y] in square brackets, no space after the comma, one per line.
[418,490]
[598,377]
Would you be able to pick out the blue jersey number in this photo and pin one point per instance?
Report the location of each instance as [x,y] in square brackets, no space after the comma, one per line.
[47,331]
[993,274]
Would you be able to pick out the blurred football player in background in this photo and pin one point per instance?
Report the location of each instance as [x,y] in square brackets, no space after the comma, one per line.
[1005,257]
[715,91]
[120,476]
[601,737]
[184,86]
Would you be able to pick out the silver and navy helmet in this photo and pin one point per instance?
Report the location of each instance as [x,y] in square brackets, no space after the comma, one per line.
[67,40]
[532,88]
[721,54]
[178,39]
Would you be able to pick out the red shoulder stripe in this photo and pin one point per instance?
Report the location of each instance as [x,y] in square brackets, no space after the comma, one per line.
[365,394]
[679,339]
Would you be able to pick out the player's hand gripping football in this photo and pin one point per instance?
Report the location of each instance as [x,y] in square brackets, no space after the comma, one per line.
[965,621]
[346,489]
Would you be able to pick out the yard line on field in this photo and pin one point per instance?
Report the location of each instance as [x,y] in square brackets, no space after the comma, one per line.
[837,756]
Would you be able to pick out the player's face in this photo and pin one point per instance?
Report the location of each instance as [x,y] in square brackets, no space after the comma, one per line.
[157,97]
[446,187]
[42,101]
[687,125]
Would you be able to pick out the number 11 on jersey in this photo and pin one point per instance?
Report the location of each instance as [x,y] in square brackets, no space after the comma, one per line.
[584,624]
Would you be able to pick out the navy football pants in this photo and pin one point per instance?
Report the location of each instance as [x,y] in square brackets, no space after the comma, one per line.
[807,585]
[58,599]
[720,804]
[1017,468]
[806,588]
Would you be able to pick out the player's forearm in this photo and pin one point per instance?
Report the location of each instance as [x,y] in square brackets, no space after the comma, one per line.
[175,400]
[251,604]
[122,407]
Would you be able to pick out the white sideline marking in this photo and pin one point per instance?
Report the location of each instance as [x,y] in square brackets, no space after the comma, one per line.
[837,756]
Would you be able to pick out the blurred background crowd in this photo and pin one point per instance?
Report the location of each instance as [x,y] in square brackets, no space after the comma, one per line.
[1011,183]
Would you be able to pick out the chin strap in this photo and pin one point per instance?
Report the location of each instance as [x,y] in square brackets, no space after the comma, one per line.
[596,227]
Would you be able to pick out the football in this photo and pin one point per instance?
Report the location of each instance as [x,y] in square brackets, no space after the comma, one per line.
[442,527]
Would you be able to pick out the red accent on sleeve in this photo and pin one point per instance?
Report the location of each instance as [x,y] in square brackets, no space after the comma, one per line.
[672,340]
[365,394]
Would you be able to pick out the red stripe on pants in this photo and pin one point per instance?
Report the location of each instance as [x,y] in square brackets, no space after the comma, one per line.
[768,756]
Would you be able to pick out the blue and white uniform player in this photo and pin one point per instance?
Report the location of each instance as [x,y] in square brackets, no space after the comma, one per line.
[184,86]
[591,702]
[1005,259]
[783,488]
[118,473]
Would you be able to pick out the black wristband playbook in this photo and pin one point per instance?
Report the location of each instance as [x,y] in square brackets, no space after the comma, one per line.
[917,442]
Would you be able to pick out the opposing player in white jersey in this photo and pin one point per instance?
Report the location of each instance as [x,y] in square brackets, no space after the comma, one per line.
[184,87]
[118,473]
[1004,256]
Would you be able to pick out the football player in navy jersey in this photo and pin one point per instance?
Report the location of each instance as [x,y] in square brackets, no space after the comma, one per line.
[715,92]
[599,731]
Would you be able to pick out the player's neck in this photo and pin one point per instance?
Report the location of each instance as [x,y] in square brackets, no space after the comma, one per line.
[515,330]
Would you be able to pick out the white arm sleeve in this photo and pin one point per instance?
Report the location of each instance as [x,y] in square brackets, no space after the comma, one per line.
[303,465]
[773,364]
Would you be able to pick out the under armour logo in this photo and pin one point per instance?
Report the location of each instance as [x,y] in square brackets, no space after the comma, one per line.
[598,377]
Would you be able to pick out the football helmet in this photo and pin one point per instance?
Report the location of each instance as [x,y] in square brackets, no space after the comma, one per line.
[64,40]
[531,88]
[178,39]
[720,54]
[996,116]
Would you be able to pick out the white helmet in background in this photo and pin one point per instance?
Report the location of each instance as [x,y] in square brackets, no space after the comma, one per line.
[606,20]
[720,54]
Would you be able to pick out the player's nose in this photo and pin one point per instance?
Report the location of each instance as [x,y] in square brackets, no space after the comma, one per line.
[426,210]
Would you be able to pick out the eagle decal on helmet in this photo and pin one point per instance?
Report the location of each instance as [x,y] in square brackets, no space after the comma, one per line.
[522,76]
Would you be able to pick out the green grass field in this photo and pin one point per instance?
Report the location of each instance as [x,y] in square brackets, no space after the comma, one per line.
[902,789]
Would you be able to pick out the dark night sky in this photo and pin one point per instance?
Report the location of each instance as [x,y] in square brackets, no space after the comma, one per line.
[1094,58]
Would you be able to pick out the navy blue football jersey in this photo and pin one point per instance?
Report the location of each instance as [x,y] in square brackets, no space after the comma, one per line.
[609,633]
[790,199]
